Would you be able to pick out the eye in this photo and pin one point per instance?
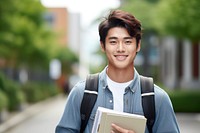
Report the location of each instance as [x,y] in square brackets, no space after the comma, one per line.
[113,42]
[128,42]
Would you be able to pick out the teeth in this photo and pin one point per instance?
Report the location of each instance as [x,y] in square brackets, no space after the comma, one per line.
[121,57]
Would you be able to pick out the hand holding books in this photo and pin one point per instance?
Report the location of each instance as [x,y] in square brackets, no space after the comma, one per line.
[106,120]
[117,129]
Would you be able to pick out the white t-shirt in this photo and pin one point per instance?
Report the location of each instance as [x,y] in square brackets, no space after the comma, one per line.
[117,90]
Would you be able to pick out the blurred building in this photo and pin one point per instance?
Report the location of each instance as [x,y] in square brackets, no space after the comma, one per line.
[74,32]
[57,18]
[66,25]
[180,63]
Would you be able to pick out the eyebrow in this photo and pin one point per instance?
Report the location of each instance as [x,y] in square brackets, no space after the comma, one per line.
[123,38]
[128,37]
[112,38]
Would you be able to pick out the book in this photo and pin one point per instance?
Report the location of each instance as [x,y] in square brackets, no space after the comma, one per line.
[105,117]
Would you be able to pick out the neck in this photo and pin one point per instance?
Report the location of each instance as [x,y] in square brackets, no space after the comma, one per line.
[120,75]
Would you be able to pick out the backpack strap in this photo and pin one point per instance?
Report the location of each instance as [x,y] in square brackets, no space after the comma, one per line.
[89,99]
[91,93]
[148,101]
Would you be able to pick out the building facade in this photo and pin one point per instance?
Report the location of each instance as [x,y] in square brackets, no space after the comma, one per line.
[180,63]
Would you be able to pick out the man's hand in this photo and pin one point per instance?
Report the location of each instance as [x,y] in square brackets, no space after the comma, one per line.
[117,129]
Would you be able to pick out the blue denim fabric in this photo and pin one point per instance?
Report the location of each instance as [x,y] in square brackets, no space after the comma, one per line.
[70,122]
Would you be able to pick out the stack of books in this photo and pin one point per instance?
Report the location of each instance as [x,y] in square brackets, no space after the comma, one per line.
[105,117]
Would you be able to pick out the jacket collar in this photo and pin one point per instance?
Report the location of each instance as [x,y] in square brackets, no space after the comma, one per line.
[132,86]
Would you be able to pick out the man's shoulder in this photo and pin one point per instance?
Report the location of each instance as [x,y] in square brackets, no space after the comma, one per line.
[78,88]
[161,96]
[159,91]
[80,84]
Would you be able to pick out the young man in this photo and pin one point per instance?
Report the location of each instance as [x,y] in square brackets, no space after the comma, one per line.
[119,83]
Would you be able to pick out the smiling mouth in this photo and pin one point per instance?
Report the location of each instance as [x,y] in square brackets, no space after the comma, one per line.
[121,57]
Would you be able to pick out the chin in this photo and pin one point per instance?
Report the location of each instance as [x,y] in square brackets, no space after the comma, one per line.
[121,66]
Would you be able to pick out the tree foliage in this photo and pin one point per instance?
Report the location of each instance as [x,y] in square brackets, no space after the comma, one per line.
[143,10]
[24,37]
[180,18]
[67,58]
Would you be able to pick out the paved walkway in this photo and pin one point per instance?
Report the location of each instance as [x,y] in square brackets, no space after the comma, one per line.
[189,123]
[37,118]
[44,116]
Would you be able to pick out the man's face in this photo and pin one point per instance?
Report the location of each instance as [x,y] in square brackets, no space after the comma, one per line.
[120,48]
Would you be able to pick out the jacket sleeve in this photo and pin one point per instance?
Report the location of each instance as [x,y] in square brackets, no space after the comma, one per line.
[165,121]
[70,121]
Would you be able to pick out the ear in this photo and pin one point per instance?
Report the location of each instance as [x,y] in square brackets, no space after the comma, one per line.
[102,46]
[138,46]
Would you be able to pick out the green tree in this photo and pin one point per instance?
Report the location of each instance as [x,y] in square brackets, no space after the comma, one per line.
[170,17]
[144,10]
[24,39]
[67,58]
[180,18]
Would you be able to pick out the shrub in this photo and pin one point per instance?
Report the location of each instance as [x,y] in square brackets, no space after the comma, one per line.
[185,101]
[39,91]
[2,81]
[15,95]
[4,101]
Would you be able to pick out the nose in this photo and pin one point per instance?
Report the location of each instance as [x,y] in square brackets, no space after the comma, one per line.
[120,47]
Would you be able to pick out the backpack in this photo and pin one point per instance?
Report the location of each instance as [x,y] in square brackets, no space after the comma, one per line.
[91,93]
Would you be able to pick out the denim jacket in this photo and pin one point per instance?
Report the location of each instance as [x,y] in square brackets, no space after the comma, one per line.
[70,122]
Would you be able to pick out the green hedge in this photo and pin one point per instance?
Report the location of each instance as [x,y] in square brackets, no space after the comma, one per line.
[3,101]
[39,91]
[16,96]
[185,100]
[13,94]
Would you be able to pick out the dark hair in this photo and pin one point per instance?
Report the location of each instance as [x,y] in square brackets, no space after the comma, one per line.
[119,18]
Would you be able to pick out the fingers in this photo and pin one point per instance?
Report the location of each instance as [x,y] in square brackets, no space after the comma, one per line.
[118,129]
